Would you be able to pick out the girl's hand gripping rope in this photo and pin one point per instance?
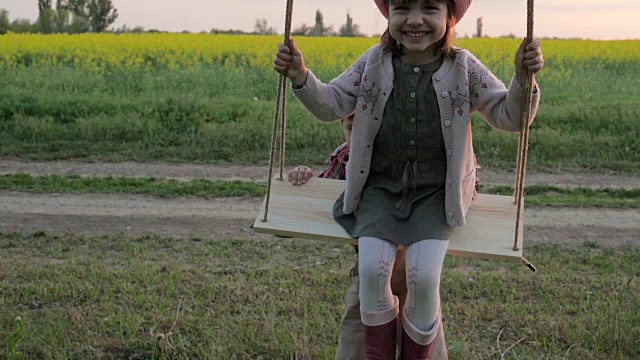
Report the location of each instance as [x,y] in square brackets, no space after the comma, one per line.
[291,58]
[528,58]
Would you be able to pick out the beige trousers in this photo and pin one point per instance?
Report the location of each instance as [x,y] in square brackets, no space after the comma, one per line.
[351,338]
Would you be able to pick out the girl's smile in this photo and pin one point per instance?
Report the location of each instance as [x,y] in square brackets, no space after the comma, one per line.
[415,34]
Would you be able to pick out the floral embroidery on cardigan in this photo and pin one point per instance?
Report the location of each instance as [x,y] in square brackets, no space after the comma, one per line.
[459,99]
[479,78]
[356,73]
[369,94]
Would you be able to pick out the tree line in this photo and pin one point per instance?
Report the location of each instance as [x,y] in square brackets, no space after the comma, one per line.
[261,27]
[81,16]
[68,16]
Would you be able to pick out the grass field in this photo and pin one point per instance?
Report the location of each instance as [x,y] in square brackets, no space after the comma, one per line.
[206,98]
[151,297]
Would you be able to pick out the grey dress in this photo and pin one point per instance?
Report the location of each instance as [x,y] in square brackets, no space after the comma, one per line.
[403,198]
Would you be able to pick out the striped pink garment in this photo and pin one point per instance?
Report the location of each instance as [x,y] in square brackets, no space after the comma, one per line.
[338,167]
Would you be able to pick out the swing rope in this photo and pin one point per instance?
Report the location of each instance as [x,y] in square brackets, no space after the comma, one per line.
[281,99]
[523,143]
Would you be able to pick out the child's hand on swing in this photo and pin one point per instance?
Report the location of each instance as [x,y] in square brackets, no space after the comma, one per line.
[300,175]
[291,58]
[528,58]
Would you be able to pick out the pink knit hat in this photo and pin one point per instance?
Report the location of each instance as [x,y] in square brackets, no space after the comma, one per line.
[458,11]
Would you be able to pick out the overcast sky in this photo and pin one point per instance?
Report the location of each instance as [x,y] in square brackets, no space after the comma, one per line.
[594,19]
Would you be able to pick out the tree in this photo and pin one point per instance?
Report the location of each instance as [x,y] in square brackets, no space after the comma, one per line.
[19,26]
[302,30]
[44,5]
[62,20]
[479,27]
[350,29]
[261,27]
[46,21]
[319,29]
[67,17]
[46,17]
[99,14]
[230,31]
[5,25]
[78,25]
[78,7]
[126,29]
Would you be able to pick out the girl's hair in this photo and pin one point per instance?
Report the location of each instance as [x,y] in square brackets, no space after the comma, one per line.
[443,45]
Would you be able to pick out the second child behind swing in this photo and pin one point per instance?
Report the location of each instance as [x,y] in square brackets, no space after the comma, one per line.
[410,173]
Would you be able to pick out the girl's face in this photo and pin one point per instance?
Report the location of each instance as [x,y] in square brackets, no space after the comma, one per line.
[418,26]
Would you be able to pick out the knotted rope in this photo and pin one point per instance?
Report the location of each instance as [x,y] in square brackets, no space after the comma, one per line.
[523,142]
[281,100]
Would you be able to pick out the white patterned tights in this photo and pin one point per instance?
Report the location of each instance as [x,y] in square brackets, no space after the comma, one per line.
[424,261]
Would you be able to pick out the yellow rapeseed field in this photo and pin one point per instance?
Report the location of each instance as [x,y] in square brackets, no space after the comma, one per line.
[96,52]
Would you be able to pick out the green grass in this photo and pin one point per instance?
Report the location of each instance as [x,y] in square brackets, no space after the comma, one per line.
[587,122]
[536,195]
[544,195]
[116,297]
[146,186]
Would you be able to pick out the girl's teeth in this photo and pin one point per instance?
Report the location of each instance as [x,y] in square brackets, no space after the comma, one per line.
[415,34]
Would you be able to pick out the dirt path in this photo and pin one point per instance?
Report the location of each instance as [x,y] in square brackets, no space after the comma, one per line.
[134,214]
[232,217]
[185,172]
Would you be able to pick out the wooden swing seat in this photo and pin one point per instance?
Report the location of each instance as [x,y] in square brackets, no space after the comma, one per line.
[307,212]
